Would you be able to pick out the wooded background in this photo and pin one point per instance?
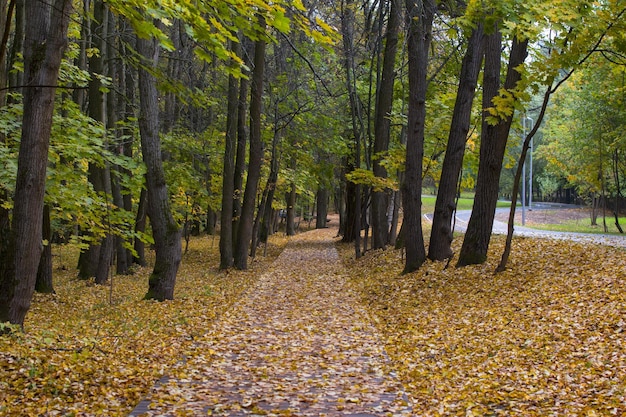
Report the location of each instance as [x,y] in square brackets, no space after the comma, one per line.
[240,117]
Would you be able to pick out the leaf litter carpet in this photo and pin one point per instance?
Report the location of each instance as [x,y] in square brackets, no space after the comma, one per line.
[297,344]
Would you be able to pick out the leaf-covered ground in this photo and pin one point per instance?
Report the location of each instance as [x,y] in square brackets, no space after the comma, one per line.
[545,338]
[84,356]
[298,344]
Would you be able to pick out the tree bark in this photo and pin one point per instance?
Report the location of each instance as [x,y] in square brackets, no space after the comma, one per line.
[46,40]
[420,20]
[43,283]
[5,22]
[322,208]
[384,103]
[16,78]
[92,262]
[128,115]
[492,147]
[351,228]
[290,227]
[516,182]
[167,234]
[228,175]
[140,227]
[265,208]
[445,205]
[116,110]
[242,139]
[244,234]
[358,128]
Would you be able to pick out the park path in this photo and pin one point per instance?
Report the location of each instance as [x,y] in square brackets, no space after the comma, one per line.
[298,344]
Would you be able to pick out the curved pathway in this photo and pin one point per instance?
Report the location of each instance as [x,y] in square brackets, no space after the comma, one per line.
[298,344]
[501,228]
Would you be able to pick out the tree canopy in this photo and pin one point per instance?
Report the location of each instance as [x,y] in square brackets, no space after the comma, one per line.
[260,114]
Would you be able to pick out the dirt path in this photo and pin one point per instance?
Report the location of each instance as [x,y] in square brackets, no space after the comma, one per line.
[298,344]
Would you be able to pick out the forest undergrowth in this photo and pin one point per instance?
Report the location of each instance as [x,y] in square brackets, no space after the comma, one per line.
[91,351]
[545,337]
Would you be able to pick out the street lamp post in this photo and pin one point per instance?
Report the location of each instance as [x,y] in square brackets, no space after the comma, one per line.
[530,197]
[530,168]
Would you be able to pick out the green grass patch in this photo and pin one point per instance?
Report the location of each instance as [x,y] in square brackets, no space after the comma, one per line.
[464,203]
[582,226]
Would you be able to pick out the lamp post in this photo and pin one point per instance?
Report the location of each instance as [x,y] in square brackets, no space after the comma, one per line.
[530,168]
[530,199]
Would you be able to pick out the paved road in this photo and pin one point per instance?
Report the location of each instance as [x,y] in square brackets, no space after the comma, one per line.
[501,228]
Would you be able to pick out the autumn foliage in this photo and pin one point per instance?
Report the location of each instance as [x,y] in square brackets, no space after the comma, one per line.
[90,351]
[545,337]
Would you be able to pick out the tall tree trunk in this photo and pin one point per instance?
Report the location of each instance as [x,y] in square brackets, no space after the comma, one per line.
[43,283]
[105,255]
[128,144]
[290,228]
[420,20]
[351,228]
[16,78]
[244,232]
[79,95]
[445,205]
[618,189]
[6,16]
[242,139]
[321,199]
[166,232]
[116,111]
[262,226]
[228,175]
[91,261]
[516,182]
[358,128]
[46,36]
[140,227]
[380,199]
[174,63]
[492,147]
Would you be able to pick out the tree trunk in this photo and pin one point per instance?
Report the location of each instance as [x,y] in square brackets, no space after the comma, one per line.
[420,20]
[445,205]
[351,228]
[129,114]
[358,128]
[43,283]
[6,16]
[260,215]
[166,232]
[242,139]
[46,36]
[492,147]
[140,227]
[244,234]
[266,205]
[322,208]
[290,227]
[618,189]
[93,263]
[16,78]
[116,110]
[171,107]
[384,103]
[228,175]
[516,182]
[5,22]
